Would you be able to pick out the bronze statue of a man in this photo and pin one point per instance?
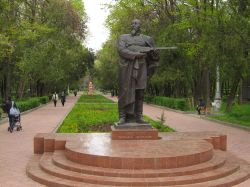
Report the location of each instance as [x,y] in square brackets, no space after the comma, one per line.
[137,60]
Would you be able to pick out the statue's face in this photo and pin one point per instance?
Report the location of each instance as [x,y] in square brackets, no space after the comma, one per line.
[136,25]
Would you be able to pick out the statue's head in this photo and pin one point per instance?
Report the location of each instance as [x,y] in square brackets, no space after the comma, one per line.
[136,26]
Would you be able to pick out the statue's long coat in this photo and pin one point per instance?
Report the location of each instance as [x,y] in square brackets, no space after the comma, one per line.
[133,72]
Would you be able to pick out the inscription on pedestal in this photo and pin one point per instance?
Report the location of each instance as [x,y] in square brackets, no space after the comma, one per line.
[134,134]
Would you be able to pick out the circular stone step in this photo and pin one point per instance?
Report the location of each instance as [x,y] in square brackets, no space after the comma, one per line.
[217,161]
[138,154]
[47,165]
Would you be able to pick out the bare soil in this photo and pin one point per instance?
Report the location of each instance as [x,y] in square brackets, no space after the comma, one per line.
[101,128]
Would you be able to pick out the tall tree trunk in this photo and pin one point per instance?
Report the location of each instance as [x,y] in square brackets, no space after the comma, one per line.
[197,85]
[2,88]
[232,93]
[7,78]
[20,89]
[240,101]
[206,85]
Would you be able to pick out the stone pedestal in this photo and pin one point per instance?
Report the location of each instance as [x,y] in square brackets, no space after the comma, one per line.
[134,133]
[177,159]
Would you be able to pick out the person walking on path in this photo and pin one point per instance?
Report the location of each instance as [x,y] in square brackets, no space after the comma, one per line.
[8,105]
[75,93]
[55,98]
[63,98]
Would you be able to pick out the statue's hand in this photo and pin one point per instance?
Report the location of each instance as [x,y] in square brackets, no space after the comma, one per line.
[147,50]
[141,55]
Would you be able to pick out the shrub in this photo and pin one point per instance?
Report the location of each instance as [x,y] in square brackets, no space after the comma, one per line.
[1,112]
[43,99]
[175,103]
[148,98]
[30,103]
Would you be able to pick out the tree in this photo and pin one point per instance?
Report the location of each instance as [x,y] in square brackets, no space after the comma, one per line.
[41,45]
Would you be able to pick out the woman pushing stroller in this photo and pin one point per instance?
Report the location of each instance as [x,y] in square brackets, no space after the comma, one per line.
[13,114]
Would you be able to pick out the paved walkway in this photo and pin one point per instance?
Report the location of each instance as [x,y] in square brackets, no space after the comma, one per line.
[238,139]
[17,148]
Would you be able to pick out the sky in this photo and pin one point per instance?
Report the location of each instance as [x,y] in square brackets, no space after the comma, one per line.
[97,32]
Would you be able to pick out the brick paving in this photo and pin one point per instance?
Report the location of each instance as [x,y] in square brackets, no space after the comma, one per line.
[17,148]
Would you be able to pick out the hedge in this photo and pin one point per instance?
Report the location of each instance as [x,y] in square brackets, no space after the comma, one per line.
[31,103]
[175,103]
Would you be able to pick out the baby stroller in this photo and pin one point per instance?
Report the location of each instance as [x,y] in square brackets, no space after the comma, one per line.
[15,118]
[15,123]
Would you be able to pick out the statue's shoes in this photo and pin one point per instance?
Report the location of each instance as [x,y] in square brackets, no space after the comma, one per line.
[121,121]
[141,121]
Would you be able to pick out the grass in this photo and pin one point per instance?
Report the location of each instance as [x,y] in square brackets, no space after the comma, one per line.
[94,99]
[240,115]
[96,114]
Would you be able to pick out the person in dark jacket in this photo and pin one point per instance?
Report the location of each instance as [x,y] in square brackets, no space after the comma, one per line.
[8,105]
[75,92]
[201,106]
[63,98]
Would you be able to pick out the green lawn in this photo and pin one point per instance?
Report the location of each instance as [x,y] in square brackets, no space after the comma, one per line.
[96,114]
[94,99]
[240,115]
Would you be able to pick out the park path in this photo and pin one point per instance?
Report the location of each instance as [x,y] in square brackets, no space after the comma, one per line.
[17,148]
[238,140]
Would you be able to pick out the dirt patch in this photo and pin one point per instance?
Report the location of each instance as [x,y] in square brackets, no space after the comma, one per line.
[101,128]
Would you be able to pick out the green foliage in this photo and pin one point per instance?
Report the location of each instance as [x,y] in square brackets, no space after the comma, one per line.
[95,110]
[175,103]
[41,45]
[1,112]
[27,104]
[43,99]
[1,100]
[106,67]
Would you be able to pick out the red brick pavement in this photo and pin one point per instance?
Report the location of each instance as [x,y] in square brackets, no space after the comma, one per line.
[16,148]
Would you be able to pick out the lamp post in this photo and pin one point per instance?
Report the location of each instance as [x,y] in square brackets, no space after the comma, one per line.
[217,97]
